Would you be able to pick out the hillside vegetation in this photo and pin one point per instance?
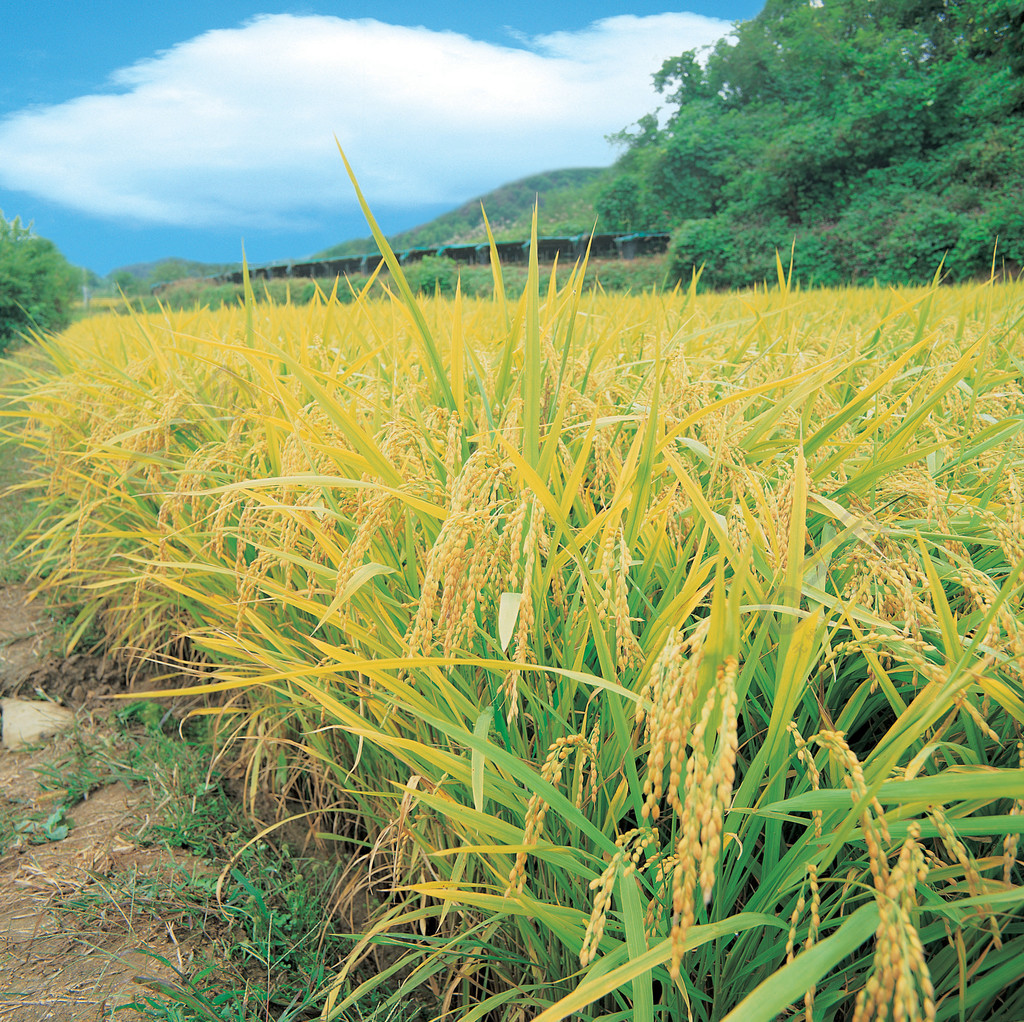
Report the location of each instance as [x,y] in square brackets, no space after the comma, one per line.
[882,136]
[565,201]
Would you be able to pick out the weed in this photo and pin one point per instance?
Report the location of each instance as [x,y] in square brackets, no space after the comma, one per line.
[38,831]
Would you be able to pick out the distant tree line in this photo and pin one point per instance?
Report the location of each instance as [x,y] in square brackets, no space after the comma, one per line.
[141,278]
[882,136]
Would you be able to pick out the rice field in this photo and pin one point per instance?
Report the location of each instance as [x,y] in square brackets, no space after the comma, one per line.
[652,657]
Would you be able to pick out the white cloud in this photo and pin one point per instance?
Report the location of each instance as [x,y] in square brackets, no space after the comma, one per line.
[236,126]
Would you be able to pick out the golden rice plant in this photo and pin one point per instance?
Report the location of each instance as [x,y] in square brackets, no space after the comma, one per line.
[662,654]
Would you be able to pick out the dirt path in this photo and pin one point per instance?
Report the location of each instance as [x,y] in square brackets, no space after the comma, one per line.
[63,965]
[72,939]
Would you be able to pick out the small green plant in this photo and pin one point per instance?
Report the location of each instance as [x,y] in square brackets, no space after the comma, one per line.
[274,940]
[147,712]
[55,827]
[187,1001]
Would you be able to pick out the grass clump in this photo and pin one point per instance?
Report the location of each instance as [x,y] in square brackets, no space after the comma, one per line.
[661,655]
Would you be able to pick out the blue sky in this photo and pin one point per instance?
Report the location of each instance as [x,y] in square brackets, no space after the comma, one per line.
[133,132]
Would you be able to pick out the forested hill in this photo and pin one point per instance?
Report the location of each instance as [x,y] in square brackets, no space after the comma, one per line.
[882,135]
[565,201]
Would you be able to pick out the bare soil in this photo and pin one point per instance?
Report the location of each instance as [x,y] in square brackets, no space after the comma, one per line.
[56,964]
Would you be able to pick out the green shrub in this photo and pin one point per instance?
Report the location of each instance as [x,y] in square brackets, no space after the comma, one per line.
[727,251]
[921,239]
[37,284]
[433,274]
[620,205]
[999,230]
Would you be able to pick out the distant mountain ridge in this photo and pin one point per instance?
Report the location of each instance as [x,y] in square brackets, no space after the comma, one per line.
[161,270]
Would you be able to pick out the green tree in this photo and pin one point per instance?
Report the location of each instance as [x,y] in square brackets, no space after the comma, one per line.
[126,283]
[37,284]
[620,204]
